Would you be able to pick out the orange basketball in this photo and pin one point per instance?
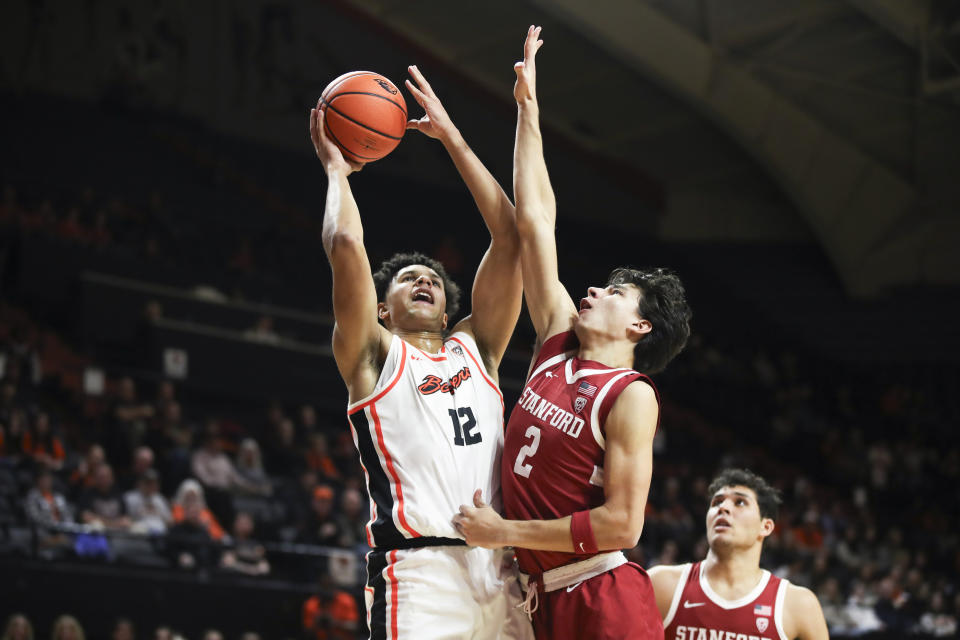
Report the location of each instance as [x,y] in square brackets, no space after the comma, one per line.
[365,115]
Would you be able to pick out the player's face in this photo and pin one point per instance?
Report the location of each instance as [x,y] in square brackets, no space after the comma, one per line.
[612,312]
[733,519]
[415,300]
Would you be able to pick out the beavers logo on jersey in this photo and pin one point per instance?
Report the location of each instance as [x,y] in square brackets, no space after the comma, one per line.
[579,404]
[431,384]
[457,349]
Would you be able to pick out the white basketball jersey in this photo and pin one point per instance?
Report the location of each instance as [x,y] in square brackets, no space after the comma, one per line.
[429,435]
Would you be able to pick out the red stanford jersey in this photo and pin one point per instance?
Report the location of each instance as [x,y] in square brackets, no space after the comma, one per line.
[698,613]
[554,443]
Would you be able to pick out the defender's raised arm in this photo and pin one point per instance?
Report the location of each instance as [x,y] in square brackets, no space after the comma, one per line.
[550,306]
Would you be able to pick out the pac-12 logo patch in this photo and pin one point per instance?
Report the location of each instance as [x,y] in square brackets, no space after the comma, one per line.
[457,349]
[579,403]
[762,624]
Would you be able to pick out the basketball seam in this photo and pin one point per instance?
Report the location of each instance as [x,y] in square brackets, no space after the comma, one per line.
[337,94]
[349,76]
[329,104]
[343,147]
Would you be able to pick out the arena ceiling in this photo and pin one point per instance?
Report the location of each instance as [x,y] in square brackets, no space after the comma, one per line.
[746,113]
[739,121]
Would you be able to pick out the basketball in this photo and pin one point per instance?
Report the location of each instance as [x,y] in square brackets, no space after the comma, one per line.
[365,115]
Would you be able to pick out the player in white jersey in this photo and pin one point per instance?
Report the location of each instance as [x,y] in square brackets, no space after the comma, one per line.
[426,414]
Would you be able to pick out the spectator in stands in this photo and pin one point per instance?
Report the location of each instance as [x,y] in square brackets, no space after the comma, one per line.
[163,633]
[282,453]
[176,438]
[146,507]
[189,498]
[213,467]
[834,612]
[123,630]
[83,475]
[18,627]
[212,634]
[330,614]
[40,443]
[13,429]
[143,460]
[130,419]
[247,556]
[321,527]
[67,628]
[102,504]
[46,507]
[352,518]
[166,393]
[216,472]
[190,543]
[319,459]
[936,621]
[307,425]
[249,466]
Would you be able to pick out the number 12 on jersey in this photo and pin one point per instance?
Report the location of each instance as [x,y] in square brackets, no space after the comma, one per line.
[462,435]
[527,451]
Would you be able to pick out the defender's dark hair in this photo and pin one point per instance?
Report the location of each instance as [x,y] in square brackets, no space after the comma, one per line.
[663,302]
[768,498]
[392,265]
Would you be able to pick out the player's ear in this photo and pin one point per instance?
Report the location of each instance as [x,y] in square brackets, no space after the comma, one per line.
[638,329]
[382,312]
[767,525]
[445,319]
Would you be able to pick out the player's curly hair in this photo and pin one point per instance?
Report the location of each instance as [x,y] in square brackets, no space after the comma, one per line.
[392,265]
[768,497]
[663,302]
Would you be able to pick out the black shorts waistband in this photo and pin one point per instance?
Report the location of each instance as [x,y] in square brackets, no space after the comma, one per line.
[422,541]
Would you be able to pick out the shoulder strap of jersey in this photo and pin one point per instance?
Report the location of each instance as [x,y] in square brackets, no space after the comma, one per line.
[608,395]
[678,594]
[557,347]
[393,367]
[778,606]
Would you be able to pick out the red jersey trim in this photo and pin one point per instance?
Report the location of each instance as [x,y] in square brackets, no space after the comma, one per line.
[401,517]
[441,358]
[483,371]
[595,421]
[555,345]
[677,595]
[362,403]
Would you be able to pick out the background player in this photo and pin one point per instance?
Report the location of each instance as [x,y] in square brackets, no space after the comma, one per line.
[580,439]
[425,409]
[728,591]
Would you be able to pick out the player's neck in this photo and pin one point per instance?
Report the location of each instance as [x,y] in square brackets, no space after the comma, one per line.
[428,341]
[614,354]
[733,574]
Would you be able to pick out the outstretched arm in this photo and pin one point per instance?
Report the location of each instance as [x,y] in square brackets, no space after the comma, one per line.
[497,287]
[550,306]
[617,523]
[356,333]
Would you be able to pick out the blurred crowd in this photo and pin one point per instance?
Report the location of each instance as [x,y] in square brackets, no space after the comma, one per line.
[136,473]
[134,478]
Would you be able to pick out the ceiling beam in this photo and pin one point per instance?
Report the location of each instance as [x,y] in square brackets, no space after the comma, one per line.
[906,20]
[853,202]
